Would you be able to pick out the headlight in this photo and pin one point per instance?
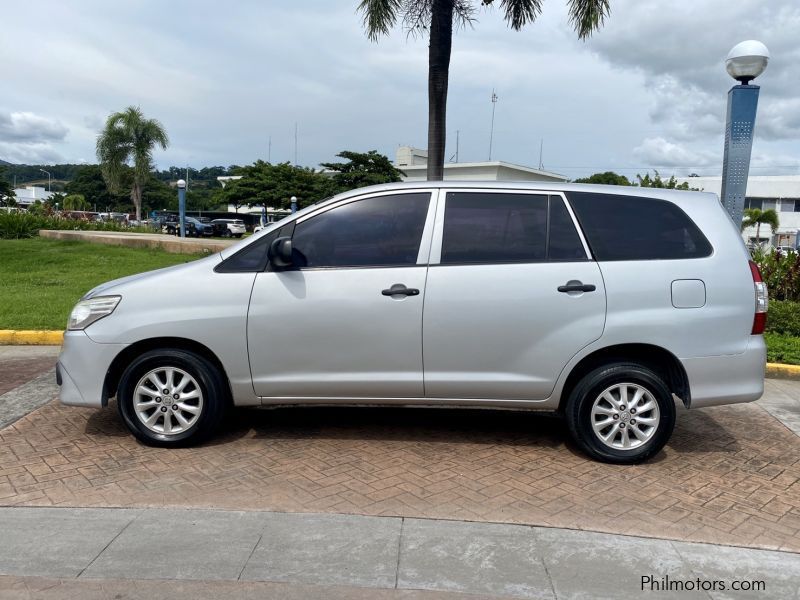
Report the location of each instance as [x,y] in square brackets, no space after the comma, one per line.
[87,312]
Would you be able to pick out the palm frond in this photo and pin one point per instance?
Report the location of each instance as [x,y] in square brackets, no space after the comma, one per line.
[379,16]
[588,15]
[518,13]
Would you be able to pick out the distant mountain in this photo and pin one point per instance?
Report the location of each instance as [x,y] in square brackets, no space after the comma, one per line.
[3,162]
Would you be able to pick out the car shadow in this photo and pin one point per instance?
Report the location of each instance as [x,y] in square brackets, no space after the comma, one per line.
[391,423]
[696,431]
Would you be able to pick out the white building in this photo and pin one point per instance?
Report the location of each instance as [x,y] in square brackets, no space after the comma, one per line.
[30,194]
[778,192]
[414,163]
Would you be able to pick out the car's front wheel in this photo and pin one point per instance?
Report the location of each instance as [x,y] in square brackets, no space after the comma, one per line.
[171,397]
[621,413]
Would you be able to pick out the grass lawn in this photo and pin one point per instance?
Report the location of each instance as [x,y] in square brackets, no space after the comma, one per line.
[41,280]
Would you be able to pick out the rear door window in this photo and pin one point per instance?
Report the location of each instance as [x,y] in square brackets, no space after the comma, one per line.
[491,227]
[637,228]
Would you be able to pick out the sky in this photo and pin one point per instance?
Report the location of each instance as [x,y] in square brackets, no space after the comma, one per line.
[647,91]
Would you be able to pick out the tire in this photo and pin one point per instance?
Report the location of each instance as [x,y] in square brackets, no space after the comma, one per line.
[203,398]
[602,393]
[226,233]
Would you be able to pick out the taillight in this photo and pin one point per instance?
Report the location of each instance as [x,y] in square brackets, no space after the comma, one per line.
[762,300]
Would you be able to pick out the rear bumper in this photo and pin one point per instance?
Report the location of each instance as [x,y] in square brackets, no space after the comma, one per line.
[82,367]
[716,380]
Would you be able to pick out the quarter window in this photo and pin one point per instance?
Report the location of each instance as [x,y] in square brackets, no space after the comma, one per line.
[485,227]
[637,228]
[375,232]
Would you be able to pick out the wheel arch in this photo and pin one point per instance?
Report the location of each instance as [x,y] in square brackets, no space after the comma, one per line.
[658,359]
[121,361]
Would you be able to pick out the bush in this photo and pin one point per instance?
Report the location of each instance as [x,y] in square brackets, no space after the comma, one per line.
[782,348]
[784,317]
[25,225]
[781,272]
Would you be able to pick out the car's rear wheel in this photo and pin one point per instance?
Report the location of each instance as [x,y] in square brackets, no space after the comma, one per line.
[226,233]
[621,413]
[171,397]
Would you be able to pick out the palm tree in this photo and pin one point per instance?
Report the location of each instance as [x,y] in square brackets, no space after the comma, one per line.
[436,18]
[756,216]
[129,137]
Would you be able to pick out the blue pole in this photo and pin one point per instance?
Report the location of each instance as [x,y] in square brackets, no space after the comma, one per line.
[741,119]
[182,206]
[294,204]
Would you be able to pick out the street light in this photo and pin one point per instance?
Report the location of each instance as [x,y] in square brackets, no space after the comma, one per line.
[746,61]
[182,206]
[48,178]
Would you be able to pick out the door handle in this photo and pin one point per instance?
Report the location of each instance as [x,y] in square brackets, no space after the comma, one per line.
[398,289]
[576,286]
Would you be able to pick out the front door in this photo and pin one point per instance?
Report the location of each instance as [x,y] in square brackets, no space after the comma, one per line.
[345,320]
[513,298]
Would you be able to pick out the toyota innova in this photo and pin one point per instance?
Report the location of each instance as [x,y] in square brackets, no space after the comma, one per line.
[604,304]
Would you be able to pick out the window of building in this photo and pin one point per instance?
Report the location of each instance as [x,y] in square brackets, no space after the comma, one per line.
[753,202]
[374,232]
[637,228]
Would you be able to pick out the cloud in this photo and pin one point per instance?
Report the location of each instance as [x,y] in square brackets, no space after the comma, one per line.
[30,154]
[29,128]
[28,138]
[659,152]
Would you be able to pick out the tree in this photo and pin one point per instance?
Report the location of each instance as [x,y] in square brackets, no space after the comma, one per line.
[758,217]
[657,182]
[75,202]
[362,169]
[6,189]
[265,184]
[90,184]
[436,18]
[128,139]
[606,178]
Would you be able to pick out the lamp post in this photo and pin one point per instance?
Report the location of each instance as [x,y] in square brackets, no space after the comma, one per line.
[49,178]
[746,61]
[182,206]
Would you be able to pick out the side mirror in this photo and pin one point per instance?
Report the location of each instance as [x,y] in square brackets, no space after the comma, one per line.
[280,252]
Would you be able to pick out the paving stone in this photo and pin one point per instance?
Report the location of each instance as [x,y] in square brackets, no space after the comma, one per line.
[729,475]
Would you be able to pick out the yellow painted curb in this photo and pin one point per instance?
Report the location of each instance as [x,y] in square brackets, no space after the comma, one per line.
[779,371]
[31,338]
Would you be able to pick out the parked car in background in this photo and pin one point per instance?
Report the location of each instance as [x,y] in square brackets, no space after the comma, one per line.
[786,249]
[230,227]
[194,227]
[477,294]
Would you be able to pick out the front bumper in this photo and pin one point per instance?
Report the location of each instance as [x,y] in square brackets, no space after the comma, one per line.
[82,367]
[730,379]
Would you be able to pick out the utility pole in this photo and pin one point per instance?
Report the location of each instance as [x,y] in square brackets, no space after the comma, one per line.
[541,147]
[295,143]
[491,131]
[269,150]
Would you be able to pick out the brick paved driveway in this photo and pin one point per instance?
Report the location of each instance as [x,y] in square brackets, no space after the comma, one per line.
[730,474]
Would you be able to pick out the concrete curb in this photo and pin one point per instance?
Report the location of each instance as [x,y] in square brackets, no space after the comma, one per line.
[168,243]
[781,371]
[14,337]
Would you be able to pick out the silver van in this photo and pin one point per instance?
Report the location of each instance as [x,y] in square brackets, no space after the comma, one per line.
[605,304]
